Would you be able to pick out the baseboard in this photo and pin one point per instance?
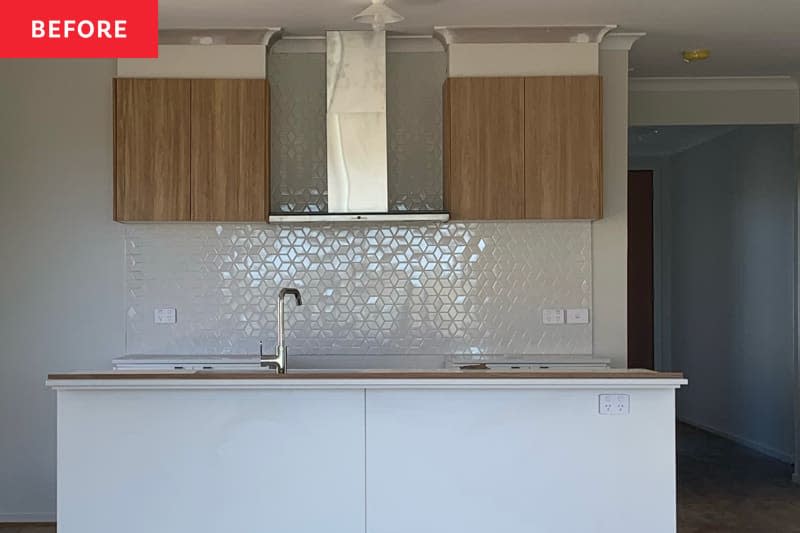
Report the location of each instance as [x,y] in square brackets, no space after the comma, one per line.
[28,518]
[756,446]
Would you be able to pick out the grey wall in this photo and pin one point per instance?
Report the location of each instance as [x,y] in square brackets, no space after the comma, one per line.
[731,263]
[796,475]
[724,100]
[61,301]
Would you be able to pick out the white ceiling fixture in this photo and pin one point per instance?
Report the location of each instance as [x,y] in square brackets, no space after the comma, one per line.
[378,15]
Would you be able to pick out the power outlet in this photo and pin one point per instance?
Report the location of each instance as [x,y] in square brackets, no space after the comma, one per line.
[614,404]
[165,316]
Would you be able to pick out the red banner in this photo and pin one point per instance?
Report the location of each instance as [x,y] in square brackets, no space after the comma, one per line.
[79,28]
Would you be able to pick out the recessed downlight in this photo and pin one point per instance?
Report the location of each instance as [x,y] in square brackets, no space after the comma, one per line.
[204,39]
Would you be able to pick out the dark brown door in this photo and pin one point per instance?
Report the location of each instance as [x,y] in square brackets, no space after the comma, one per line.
[640,269]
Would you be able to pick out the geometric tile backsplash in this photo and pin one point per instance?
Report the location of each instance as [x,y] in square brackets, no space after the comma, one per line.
[399,289]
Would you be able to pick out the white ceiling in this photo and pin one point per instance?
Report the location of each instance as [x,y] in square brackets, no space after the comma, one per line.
[747,37]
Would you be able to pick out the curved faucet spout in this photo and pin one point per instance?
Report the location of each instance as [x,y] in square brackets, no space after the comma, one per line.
[287,290]
[281,352]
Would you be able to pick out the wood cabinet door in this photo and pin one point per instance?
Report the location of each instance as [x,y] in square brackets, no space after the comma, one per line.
[151,149]
[230,150]
[563,147]
[483,148]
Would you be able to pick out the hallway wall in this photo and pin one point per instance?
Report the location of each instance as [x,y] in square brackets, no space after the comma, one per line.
[729,254]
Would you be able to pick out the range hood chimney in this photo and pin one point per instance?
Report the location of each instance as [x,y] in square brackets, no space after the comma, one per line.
[358,172]
[356,130]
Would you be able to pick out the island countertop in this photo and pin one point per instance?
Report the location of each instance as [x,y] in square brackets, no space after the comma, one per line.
[631,373]
[371,378]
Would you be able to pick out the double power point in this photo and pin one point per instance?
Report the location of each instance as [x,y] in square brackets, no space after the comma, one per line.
[614,404]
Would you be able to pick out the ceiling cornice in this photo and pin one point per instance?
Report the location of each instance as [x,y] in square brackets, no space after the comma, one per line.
[621,41]
[216,36]
[729,83]
[520,34]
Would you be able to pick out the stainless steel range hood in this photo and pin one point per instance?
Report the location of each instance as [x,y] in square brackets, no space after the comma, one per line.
[356,134]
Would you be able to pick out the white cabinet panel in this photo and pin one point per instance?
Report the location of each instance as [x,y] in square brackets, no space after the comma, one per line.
[206,461]
[502,461]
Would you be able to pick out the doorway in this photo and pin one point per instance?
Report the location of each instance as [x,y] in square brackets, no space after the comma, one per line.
[640,269]
[723,207]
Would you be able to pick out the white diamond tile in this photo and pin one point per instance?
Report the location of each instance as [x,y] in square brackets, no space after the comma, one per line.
[454,288]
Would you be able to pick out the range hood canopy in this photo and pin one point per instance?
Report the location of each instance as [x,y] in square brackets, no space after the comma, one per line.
[404,216]
[357,160]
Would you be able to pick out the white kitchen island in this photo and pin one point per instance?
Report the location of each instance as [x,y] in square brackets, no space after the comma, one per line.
[366,451]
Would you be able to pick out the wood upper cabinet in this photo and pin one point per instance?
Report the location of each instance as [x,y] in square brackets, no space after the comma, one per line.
[191,150]
[563,147]
[517,148]
[483,148]
[229,150]
[151,150]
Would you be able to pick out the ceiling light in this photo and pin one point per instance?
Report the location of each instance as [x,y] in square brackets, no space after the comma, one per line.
[205,39]
[378,15]
[698,54]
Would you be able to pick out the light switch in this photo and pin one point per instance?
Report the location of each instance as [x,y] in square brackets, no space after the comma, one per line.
[167,315]
[578,316]
[552,317]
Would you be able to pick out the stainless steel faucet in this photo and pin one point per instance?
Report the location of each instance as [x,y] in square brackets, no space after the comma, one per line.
[279,361]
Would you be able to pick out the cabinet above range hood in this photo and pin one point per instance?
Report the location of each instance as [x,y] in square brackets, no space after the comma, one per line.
[357,166]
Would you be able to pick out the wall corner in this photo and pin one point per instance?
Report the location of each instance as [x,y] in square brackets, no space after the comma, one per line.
[610,234]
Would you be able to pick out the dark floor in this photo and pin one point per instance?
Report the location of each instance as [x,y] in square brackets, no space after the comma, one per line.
[722,487]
